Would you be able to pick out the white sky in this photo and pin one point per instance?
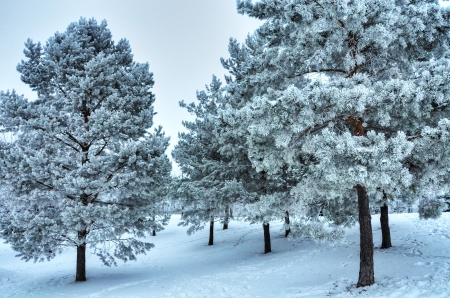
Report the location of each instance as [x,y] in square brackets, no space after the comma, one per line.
[182,41]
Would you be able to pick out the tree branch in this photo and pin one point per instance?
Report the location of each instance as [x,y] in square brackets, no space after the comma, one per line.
[104,146]
[72,138]
[112,174]
[312,130]
[46,185]
[67,144]
[317,2]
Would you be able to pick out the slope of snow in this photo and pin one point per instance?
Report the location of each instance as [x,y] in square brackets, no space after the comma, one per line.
[184,266]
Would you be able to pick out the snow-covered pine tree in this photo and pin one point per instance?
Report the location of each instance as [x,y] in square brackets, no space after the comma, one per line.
[430,158]
[244,65]
[351,84]
[207,189]
[213,159]
[83,168]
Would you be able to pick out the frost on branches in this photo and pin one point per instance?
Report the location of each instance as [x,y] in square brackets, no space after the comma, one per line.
[83,168]
[345,89]
[214,180]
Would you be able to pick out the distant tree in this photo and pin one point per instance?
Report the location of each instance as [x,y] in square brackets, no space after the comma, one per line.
[83,168]
[431,208]
[446,199]
[213,158]
[205,173]
[345,89]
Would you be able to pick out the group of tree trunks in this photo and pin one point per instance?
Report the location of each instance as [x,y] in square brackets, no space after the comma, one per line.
[366,271]
[366,267]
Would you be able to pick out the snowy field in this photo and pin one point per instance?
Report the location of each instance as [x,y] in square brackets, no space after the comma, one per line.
[184,266]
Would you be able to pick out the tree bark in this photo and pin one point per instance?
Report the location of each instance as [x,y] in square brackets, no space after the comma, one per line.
[385,231]
[267,246]
[154,219]
[287,224]
[366,266]
[81,257]
[211,231]
[226,218]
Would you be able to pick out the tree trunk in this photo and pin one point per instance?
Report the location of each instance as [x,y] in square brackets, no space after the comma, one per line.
[385,232]
[81,257]
[366,267]
[226,218]
[287,224]
[154,231]
[211,231]
[267,246]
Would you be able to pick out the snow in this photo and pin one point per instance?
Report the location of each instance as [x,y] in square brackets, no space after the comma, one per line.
[184,266]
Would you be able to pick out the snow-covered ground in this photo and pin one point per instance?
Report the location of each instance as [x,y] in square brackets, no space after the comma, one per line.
[184,266]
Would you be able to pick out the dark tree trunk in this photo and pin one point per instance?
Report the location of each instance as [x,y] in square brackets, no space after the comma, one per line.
[211,231]
[366,267]
[287,224]
[267,246]
[154,231]
[226,218]
[385,231]
[81,258]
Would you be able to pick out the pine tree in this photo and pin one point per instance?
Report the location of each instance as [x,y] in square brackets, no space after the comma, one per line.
[202,189]
[213,158]
[345,88]
[83,168]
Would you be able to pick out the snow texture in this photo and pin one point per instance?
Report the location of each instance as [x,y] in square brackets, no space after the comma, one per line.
[418,265]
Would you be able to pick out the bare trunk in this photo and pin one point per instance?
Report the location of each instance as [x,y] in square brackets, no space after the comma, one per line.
[226,218]
[81,257]
[385,231]
[287,223]
[211,231]
[366,267]
[267,246]
[154,231]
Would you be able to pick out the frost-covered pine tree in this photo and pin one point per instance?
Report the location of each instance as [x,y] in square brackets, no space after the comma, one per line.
[245,62]
[217,171]
[210,185]
[429,162]
[196,153]
[275,181]
[83,168]
[346,86]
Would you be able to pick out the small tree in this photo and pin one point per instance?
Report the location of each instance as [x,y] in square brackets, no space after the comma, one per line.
[206,189]
[83,169]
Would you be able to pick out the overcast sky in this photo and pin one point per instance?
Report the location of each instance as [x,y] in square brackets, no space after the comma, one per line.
[182,40]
